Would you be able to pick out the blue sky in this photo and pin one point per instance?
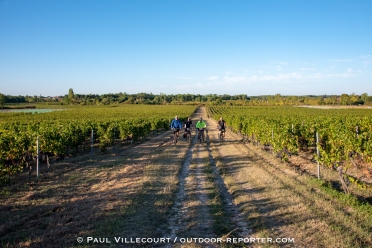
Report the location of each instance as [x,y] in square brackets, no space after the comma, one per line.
[290,47]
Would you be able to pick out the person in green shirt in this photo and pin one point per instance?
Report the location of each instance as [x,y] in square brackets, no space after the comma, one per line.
[200,126]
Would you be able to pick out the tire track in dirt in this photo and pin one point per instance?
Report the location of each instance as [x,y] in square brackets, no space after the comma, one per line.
[200,221]
[240,227]
[190,214]
[191,211]
[176,222]
[246,196]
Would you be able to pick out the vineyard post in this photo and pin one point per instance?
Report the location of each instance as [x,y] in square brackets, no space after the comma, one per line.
[357,131]
[292,127]
[114,136]
[37,157]
[92,141]
[272,134]
[317,153]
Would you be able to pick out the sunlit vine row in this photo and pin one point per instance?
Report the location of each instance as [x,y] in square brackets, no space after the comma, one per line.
[63,130]
[343,134]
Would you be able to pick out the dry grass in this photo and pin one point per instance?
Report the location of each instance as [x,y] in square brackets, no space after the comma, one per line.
[278,202]
[107,196]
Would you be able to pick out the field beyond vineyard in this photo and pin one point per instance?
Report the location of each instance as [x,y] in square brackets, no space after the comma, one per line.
[259,183]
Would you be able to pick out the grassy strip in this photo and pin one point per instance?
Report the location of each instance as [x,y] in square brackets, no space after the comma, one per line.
[191,204]
[221,223]
[345,199]
[249,209]
[355,210]
[330,204]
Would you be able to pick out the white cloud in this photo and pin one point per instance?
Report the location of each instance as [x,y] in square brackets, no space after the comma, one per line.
[276,62]
[278,65]
[285,77]
[254,78]
[192,87]
[228,73]
[366,59]
[200,86]
[185,78]
[212,78]
[282,77]
[340,75]
[236,79]
[339,60]
[260,72]
[182,87]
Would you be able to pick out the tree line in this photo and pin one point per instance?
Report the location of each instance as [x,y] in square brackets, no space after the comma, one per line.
[148,98]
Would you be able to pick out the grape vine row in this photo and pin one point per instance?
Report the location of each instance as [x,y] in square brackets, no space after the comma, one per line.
[62,131]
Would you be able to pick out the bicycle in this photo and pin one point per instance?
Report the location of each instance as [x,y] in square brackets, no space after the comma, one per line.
[221,135]
[188,135]
[175,136]
[201,135]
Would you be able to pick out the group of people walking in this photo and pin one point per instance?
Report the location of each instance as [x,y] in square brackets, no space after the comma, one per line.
[176,126]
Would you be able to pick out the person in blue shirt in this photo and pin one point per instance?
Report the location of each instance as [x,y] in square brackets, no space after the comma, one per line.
[176,125]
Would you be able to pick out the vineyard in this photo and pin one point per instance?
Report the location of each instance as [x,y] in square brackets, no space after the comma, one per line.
[242,188]
[62,132]
[343,138]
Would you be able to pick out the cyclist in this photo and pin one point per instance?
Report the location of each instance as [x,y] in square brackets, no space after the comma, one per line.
[200,125]
[221,127]
[176,125]
[188,126]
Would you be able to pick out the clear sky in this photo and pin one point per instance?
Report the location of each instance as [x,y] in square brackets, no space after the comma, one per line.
[253,47]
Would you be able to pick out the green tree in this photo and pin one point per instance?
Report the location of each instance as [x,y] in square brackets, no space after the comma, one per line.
[345,99]
[3,100]
[71,94]
[364,97]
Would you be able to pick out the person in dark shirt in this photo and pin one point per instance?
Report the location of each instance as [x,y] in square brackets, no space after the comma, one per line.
[222,128]
[221,124]
[188,123]
[188,127]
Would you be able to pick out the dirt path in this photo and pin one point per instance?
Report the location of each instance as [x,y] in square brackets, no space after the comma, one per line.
[191,214]
[203,206]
